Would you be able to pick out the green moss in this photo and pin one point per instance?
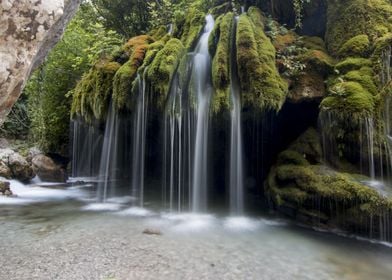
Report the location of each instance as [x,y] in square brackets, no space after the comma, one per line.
[123,80]
[292,157]
[162,68]
[319,61]
[220,9]
[291,183]
[313,43]
[353,63]
[261,85]
[347,19]
[349,100]
[158,33]
[308,145]
[91,97]
[282,41]
[220,49]
[193,26]
[135,42]
[363,78]
[356,46]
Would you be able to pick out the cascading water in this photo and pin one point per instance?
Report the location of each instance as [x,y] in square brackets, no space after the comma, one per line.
[201,72]
[236,148]
[86,149]
[186,131]
[139,140]
[108,161]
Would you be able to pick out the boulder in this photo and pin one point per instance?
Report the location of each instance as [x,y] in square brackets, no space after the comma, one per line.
[47,169]
[13,165]
[20,167]
[28,31]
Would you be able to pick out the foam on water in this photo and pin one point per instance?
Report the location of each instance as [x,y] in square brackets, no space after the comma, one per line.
[241,223]
[31,194]
[190,222]
[136,212]
[102,207]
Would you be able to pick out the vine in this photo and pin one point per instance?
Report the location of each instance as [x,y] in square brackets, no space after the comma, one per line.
[298,6]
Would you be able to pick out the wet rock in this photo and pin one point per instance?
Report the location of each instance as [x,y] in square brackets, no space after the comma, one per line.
[150,231]
[5,171]
[5,188]
[47,169]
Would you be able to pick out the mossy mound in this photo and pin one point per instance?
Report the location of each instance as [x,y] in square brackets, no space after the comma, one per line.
[261,85]
[220,49]
[162,68]
[92,95]
[356,46]
[122,83]
[350,18]
[318,61]
[350,100]
[353,94]
[303,188]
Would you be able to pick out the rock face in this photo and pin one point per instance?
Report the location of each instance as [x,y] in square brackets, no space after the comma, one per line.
[28,30]
[13,165]
[47,169]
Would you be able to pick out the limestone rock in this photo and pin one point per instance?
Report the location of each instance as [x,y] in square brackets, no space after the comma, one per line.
[47,169]
[20,168]
[13,165]
[308,88]
[28,30]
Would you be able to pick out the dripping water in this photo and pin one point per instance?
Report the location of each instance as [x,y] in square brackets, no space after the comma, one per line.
[139,140]
[236,148]
[108,161]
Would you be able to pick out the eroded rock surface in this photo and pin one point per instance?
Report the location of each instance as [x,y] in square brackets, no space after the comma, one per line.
[28,30]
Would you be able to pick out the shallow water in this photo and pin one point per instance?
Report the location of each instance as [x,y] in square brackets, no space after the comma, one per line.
[49,238]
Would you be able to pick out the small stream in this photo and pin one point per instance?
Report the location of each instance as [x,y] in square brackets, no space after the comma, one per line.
[55,232]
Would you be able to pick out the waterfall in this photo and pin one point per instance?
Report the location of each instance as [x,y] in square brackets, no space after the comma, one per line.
[236,148]
[175,148]
[108,158]
[170,29]
[139,140]
[86,148]
[186,125]
[369,128]
[202,66]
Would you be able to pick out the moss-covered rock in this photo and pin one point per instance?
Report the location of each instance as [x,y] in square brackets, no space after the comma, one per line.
[162,68]
[349,100]
[123,80]
[193,26]
[220,49]
[352,63]
[92,95]
[356,46]
[350,18]
[316,194]
[261,85]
